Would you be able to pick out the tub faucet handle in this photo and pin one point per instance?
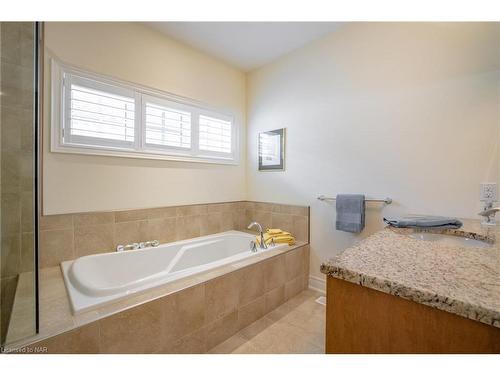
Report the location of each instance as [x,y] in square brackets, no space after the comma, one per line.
[153,243]
[253,247]
[132,246]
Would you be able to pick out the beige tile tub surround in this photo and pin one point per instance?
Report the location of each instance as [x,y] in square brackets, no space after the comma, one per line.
[66,237]
[208,310]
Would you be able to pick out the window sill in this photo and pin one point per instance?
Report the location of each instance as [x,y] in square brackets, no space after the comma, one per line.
[82,150]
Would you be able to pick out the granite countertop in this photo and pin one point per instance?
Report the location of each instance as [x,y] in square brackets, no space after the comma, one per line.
[460,280]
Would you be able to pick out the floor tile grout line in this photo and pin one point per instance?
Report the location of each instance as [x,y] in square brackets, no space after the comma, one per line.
[315,348]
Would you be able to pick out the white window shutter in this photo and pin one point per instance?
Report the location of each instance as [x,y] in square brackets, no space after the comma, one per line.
[97,115]
[168,127]
[215,135]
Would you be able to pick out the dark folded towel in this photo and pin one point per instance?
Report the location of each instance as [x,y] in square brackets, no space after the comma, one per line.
[430,222]
[350,212]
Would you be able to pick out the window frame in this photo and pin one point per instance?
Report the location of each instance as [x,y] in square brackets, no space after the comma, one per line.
[62,77]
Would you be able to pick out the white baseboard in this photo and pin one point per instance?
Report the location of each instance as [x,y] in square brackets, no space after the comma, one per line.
[317,283]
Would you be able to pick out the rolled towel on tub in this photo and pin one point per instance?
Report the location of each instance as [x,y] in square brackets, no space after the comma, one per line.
[350,212]
[429,222]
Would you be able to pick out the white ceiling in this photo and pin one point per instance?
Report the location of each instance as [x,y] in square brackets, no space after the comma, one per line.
[245,45]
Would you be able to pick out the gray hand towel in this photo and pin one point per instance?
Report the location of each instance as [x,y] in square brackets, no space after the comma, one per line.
[350,212]
[429,222]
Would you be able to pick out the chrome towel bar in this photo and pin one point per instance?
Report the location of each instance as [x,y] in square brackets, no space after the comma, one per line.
[386,200]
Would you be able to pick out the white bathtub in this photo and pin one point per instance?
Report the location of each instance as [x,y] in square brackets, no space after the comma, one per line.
[99,279]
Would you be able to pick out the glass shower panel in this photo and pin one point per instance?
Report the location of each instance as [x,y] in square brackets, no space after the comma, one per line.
[18,70]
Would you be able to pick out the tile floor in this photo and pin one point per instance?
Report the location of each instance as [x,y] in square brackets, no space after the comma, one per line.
[297,326]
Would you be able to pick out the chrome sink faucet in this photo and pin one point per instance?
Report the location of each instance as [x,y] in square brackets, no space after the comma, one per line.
[489,214]
[262,244]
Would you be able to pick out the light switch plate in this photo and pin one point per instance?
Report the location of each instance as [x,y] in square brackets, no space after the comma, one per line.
[488,192]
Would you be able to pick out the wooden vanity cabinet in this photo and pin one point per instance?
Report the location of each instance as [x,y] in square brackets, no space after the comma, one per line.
[363,320]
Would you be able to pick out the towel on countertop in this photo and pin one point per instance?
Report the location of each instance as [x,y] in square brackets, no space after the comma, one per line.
[278,236]
[438,222]
[350,212]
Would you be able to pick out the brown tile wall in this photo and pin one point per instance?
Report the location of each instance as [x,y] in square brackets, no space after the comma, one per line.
[16,160]
[66,237]
[195,319]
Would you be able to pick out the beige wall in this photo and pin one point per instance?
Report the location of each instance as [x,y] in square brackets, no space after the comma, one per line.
[136,53]
[408,111]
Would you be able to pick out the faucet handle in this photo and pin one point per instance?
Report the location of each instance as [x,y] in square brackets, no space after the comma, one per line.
[143,245]
[132,246]
[152,243]
[253,247]
[488,213]
[487,205]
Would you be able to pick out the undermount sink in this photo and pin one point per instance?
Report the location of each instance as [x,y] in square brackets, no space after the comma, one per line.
[449,240]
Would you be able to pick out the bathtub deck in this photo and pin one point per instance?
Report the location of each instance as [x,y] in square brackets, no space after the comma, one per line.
[55,311]
[297,326]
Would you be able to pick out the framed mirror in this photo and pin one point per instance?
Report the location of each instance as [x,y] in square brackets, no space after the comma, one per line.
[272,150]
